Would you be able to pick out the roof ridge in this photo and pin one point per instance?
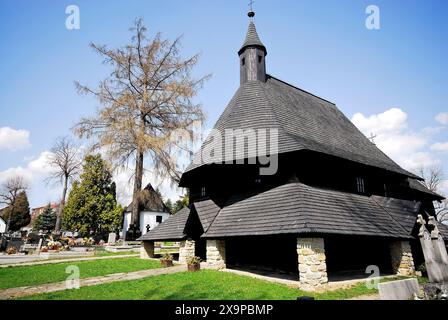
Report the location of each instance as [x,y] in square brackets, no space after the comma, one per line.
[214,218]
[297,88]
[390,215]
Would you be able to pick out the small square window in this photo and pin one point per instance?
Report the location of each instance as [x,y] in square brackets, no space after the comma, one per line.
[360,185]
[159,219]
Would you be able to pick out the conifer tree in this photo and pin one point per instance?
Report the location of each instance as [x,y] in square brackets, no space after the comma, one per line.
[45,221]
[92,207]
[20,215]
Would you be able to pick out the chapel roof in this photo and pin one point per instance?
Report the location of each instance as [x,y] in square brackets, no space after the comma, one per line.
[172,228]
[296,208]
[252,39]
[418,186]
[149,200]
[303,121]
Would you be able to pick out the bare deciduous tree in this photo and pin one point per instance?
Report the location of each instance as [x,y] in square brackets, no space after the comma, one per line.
[66,162]
[433,178]
[10,190]
[442,211]
[148,95]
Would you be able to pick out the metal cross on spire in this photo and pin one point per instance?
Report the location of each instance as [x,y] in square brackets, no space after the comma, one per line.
[251,3]
[251,13]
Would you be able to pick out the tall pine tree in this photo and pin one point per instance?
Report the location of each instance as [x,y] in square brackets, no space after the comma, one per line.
[92,207]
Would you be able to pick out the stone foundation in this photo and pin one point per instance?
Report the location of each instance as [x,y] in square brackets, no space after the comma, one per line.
[312,264]
[216,254]
[186,249]
[402,260]
[147,250]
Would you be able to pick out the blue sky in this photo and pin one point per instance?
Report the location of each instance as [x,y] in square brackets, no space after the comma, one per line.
[392,82]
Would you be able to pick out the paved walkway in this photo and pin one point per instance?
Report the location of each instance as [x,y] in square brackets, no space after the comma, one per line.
[51,261]
[59,286]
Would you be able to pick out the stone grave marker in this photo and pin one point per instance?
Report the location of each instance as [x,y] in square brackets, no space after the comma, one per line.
[436,269]
[112,238]
[398,290]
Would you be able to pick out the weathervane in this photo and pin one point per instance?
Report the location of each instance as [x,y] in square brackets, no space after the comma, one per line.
[251,13]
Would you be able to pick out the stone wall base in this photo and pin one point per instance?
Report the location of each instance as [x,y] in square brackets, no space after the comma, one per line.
[186,250]
[312,264]
[402,260]
[216,254]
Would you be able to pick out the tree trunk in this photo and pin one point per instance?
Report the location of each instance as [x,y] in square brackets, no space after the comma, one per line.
[8,224]
[138,177]
[57,227]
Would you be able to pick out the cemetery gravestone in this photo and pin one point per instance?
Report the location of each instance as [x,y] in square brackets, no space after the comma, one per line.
[399,290]
[112,238]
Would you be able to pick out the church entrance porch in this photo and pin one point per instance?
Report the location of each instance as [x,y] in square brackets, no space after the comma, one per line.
[263,255]
[357,257]
[315,262]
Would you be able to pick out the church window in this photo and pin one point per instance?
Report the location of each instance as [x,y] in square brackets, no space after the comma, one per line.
[243,61]
[203,193]
[360,185]
[260,58]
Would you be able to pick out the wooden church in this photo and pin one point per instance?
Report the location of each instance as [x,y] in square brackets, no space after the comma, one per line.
[335,204]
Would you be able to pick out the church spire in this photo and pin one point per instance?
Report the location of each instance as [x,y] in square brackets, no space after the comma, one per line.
[252,55]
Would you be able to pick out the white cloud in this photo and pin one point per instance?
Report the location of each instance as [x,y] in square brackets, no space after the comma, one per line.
[34,174]
[11,139]
[392,120]
[442,118]
[34,169]
[394,137]
[37,169]
[440,146]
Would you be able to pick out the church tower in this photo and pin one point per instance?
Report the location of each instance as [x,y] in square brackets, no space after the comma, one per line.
[252,56]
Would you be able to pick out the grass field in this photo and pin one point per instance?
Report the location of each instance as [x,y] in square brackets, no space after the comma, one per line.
[39,274]
[203,285]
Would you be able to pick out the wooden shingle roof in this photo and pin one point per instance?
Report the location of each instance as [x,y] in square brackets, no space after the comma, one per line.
[296,208]
[207,211]
[303,121]
[252,39]
[172,228]
[418,186]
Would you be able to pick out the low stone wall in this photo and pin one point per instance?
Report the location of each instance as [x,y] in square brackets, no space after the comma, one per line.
[186,249]
[402,260]
[147,250]
[312,263]
[216,254]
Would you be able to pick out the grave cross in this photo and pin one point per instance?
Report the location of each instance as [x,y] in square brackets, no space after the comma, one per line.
[251,3]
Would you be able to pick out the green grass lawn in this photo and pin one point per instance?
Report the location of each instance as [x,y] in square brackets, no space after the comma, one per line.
[206,284]
[203,285]
[12,277]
